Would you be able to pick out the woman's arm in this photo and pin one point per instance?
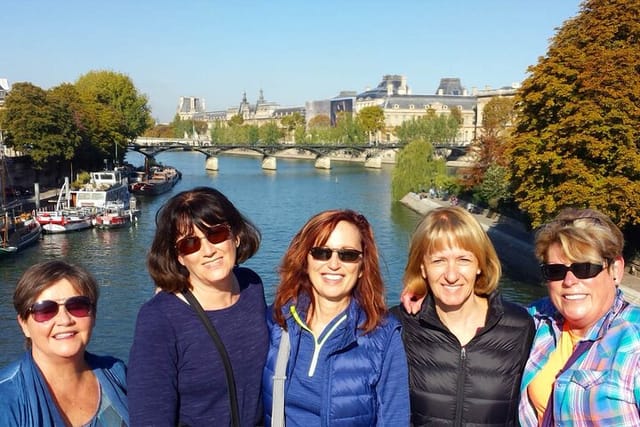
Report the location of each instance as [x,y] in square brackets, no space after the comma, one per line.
[152,373]
[393,387]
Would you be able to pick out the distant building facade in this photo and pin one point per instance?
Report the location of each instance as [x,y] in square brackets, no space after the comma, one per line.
[392,94]
[399,105]
[258,114]
[190,106]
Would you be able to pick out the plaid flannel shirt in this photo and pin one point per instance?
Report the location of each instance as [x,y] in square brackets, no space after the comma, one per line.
[603,386]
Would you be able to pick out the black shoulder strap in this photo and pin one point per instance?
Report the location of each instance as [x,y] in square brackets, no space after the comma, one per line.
[231,384]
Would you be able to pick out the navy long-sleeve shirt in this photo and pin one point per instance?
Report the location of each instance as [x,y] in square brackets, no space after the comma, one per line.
[175,371]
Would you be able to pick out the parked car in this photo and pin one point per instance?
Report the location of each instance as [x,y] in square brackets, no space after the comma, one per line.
[474,209]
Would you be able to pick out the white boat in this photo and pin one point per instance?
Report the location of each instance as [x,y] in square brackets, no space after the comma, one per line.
[65,220]
[115,215]
[77,209]
[104,187]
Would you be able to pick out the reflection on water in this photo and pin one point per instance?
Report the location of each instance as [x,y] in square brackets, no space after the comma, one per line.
[278,202]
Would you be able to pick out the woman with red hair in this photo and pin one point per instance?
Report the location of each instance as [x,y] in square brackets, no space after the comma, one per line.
[346,364]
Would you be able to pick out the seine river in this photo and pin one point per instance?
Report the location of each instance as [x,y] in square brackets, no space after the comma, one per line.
[278,202]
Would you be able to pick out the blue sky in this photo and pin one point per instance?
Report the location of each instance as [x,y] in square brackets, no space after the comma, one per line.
[295,50]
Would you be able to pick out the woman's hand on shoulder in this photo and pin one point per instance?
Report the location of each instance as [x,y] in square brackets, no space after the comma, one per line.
[411,303]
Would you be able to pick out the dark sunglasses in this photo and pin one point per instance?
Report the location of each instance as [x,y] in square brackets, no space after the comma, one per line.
[79,306]
[582,270]
[216,234]
[345,255]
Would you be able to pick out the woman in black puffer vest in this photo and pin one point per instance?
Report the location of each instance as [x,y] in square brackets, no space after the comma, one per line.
[466,346]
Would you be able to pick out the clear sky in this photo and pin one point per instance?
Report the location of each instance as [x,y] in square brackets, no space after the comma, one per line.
[294,50]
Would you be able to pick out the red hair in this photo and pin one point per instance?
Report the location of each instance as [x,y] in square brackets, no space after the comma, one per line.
[294,280]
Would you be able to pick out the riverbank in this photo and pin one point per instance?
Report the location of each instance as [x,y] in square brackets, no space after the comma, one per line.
[514,246]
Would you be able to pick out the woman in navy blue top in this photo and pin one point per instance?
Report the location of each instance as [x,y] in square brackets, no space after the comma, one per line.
[176,374]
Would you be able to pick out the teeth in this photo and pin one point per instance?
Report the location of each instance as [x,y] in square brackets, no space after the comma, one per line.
[575,297]
[333,276]
[64,335]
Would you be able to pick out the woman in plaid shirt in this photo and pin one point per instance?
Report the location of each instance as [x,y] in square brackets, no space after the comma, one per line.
[584,366]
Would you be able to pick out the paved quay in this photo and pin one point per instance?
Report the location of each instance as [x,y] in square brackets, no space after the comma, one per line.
[514,246]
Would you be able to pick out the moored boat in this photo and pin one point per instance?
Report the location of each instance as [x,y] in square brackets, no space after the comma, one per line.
[65,220]
[115,215]
[77,209]
[18,228]
[160,179]
[18,232]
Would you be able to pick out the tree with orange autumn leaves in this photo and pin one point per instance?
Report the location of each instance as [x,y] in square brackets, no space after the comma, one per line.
[577,130]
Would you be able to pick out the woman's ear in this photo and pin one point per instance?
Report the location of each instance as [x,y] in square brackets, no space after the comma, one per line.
[423,272]
[617,269]
[23,326]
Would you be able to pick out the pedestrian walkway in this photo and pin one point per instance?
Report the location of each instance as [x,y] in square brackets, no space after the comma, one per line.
[514,246]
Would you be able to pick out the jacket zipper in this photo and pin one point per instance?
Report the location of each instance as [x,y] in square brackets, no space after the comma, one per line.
[460,387]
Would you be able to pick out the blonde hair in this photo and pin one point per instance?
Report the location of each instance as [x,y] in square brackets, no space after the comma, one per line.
[450,227]
[583,234]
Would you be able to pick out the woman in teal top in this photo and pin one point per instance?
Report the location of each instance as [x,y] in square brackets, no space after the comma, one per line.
[58,383]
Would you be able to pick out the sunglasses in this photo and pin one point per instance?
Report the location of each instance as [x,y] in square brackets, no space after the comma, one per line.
[79,306]
[345,255]
[582,270]
[216,234]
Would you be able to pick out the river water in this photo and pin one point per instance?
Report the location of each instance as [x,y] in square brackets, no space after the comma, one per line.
[278,202]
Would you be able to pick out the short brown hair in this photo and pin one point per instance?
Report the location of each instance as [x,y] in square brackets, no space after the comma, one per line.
[294,280]
[449,227]
[199,207]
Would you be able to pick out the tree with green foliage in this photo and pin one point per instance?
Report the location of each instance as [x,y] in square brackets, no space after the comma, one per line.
[270,133]
[180,127]
[188,128]
[300,135]
[416,170]
[577,136]
[292,123]
[118,113]
[252,134]
[235,120]
[371,120]
[44,125]
[319,130]
[348,130]
[241,134]
[431,127]
[217,133]
[494,187]
[73,139]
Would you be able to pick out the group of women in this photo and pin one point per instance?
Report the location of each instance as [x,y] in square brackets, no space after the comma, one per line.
[208,351]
